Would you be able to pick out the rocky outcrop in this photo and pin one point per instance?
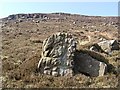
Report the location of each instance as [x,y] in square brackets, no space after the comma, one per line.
[60,58]
[26,16]
[57,55]
[80,18]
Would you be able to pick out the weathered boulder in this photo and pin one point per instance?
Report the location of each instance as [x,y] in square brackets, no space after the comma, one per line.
[57,55]
[86,64]
[106,46]
[60,58]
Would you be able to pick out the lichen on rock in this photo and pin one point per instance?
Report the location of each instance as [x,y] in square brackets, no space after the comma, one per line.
[57,55]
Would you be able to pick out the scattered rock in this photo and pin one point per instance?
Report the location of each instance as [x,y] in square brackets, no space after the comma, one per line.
[35,40]
[106,46]
[3,57]
[20,20]
[57,54]
[74,22]
[37,21]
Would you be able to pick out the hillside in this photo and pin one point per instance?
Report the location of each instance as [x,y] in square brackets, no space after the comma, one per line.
[22,39]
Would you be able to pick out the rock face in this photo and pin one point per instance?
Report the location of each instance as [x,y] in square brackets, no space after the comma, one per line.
[106,46]
[57,55]
[26,16]
[84,63]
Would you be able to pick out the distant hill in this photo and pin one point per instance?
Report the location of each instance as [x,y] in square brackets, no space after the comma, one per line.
[57,16]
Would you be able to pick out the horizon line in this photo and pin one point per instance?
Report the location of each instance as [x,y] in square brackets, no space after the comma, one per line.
[61,12]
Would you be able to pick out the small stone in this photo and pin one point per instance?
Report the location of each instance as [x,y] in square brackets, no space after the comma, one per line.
[55,73]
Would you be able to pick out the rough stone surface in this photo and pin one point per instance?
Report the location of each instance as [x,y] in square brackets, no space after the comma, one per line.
[84,63]
[57,55]
[106,46]
[59,58]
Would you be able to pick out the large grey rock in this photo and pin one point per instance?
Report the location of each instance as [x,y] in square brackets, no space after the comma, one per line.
[84,63]
[106,46]
[57,55]
[60,58]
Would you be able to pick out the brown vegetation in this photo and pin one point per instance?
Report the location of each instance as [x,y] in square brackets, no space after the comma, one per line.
[22,44]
